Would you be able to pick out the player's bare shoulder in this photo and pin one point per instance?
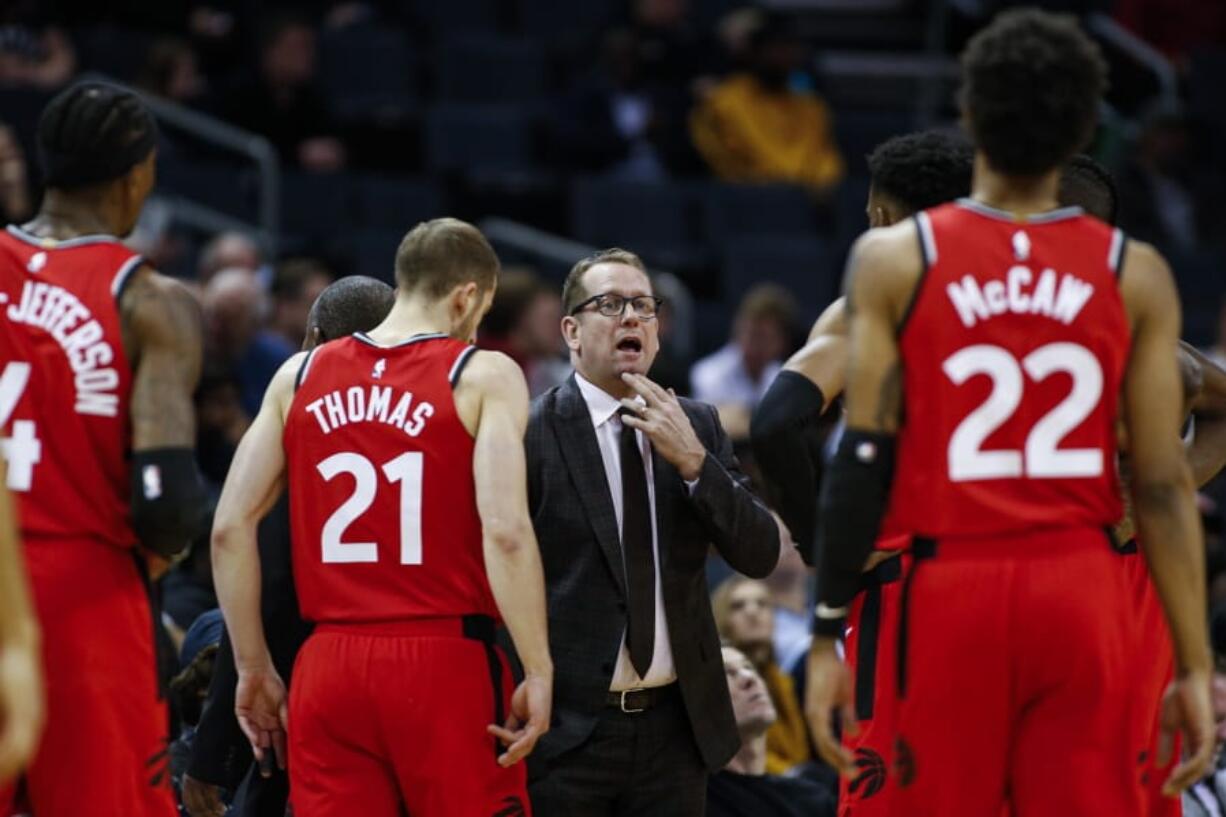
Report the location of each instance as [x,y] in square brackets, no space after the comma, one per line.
[155,309]
[832,322]
[1146,283]
[489,376]
[884,267]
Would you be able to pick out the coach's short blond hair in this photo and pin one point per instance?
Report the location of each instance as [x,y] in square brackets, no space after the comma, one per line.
[438,255]
[573,291]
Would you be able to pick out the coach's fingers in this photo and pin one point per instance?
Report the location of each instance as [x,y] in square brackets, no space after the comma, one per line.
[522,747]
[279,747]
[505,733]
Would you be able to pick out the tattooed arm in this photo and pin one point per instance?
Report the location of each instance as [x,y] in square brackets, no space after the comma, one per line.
[163,337]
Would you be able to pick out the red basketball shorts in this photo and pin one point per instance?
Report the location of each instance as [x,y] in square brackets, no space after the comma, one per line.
[103,750]
[1152,671]
[1015,683]
[391,717]
[871,646]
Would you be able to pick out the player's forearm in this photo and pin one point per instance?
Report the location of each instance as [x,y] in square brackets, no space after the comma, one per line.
[236,576]
[1171,535]
[513,565]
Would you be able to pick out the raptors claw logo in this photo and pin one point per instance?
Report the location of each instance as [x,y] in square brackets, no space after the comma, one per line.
[871,774]
[510,807]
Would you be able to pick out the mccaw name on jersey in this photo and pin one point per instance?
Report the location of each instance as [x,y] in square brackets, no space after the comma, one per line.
[1059,297]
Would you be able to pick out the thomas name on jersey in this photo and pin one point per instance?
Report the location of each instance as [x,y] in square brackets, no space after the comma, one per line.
[1060,302]
[61,314]
[359,404]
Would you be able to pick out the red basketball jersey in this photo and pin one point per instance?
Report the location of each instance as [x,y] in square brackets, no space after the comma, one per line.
[380,470]
[1012,357]
[70,467]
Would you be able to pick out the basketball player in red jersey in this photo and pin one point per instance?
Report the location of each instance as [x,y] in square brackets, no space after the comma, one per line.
[1007,328]
[908,173]
[103,467]
[403,454]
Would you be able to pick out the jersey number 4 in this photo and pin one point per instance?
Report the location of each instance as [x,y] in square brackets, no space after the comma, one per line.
[405,470]
[21,449]
[1043,457]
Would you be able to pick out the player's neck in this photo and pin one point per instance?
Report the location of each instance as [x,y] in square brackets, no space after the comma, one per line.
[1017,195]
[412,317]
[64,215]
[751,758]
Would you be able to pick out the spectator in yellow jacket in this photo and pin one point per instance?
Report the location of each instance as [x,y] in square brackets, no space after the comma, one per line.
[753,127]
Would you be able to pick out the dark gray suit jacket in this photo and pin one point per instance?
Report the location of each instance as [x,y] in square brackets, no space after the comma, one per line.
[572,511]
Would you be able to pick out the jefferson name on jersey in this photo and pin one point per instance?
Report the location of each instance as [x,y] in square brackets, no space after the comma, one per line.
[61,314]
[367,404]
[1060,301]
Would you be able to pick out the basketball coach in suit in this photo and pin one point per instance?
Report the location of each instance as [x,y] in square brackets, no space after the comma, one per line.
[629,486]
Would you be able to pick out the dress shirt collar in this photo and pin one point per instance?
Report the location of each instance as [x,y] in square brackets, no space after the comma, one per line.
[600,404]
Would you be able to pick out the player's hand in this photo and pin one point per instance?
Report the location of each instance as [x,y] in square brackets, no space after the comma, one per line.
[1187,708]
[829,690]
[260,705]
[529,719]
[21,704]
[665,423]
[202,799]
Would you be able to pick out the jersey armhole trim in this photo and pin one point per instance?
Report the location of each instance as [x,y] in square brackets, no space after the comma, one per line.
[457,368]
[928,256]
[124,275]
[1115,255]
[302,370]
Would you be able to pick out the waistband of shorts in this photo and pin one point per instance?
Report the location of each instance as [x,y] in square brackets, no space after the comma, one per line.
[1035,544]
[475,627]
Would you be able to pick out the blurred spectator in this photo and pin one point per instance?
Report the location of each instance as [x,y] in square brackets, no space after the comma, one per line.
[189,688]
[669,370]
[35,57]
[734,378]
[746,787]
[745,619]
[283,101]
[789,590]
[15,205]
[760,125]
[231,250]
[296,284]
[221,421]
[172,71]
[234,307]
[523,323]
[624,120]
[672,50]
[1157,194]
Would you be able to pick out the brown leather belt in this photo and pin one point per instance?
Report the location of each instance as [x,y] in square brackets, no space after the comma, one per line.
[632,701]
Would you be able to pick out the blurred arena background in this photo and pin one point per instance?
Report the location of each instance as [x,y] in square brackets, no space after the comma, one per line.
[301,140]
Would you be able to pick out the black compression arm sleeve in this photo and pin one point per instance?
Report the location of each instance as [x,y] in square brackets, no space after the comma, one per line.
[168,499]
[854,496]
[779,434]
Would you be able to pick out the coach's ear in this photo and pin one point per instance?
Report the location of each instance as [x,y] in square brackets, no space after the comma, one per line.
[570,332]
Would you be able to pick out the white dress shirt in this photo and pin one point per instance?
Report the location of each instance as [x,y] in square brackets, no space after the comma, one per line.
[603,408]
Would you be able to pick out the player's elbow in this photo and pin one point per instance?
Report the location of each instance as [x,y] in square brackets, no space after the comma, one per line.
[509,537]
[1160,493]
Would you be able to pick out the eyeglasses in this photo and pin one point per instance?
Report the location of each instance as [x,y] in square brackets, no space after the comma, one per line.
[612,305]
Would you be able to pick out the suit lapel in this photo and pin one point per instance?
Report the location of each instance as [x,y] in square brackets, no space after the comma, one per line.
[582,455]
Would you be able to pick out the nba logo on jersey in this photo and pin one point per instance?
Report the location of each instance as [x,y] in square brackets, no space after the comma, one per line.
[380,367]
[37,262]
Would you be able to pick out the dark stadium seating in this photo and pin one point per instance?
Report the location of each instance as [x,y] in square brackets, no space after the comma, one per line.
[368,71]
[314,204]
[444,17]
[658,221]
[569,20]
[484,68]
[732,211]
[394,204]
[806,266]
[477,138]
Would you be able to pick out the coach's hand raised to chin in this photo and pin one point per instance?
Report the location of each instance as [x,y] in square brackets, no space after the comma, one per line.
[260,705]
[1187,709]
[529,719]
[665,423]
